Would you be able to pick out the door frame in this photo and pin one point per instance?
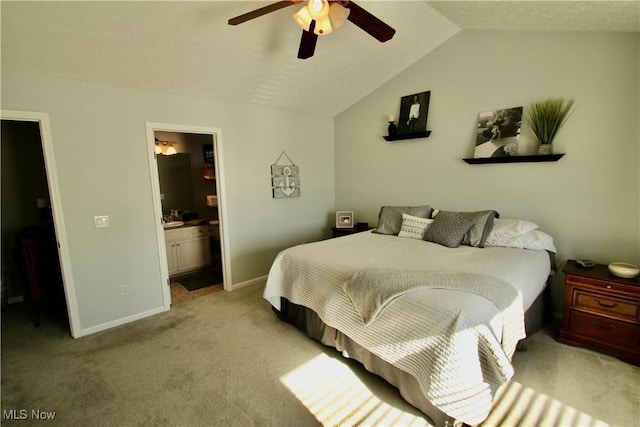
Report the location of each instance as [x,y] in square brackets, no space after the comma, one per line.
[56,209]
[216,135]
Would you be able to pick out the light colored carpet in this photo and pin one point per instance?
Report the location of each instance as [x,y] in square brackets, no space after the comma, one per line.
[225,359]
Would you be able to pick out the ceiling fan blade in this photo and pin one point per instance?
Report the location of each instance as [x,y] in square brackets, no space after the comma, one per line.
[368,22]
[262,11]
[308,42]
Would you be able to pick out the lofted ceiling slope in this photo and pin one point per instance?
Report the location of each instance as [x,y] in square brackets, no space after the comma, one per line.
[186,47]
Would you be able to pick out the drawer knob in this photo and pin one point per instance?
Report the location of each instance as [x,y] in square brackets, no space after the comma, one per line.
[605,327]
[608,286]
[601,304]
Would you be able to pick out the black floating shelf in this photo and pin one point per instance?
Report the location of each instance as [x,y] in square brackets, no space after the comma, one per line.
[515,159]
[414,135]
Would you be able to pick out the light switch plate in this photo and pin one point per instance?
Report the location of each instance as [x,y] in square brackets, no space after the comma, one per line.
[101,221]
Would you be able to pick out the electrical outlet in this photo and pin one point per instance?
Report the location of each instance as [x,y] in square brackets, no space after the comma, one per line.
[101,221]
[124,290]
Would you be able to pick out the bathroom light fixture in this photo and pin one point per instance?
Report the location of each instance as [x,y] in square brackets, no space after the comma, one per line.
[165,148]
[323,14]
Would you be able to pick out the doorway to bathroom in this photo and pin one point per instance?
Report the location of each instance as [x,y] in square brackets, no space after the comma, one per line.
[188,192]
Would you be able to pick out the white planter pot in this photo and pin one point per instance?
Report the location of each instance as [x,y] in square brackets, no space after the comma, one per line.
[545,149]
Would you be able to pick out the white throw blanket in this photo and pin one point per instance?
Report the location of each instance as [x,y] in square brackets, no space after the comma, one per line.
[458,372]
[371,290]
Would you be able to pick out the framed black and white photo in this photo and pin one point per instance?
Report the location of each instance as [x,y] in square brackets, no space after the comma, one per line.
[414,110]
[498,133]
[344,219]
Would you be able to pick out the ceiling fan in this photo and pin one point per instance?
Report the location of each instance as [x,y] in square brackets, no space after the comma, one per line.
[316,18]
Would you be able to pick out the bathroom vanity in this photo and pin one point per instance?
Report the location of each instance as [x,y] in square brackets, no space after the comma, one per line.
[188,248]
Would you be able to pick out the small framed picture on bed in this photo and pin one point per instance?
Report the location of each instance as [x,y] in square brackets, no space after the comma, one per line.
[344,219]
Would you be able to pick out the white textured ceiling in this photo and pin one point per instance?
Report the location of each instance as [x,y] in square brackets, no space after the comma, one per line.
[187,48]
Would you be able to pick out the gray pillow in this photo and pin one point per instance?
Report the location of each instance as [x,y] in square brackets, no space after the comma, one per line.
[481,225]
[447,229]
[390,217]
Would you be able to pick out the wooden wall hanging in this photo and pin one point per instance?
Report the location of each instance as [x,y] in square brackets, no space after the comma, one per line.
[285,179]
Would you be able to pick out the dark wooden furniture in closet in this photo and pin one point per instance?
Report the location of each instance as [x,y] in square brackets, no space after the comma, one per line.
[36,255]
[601,311]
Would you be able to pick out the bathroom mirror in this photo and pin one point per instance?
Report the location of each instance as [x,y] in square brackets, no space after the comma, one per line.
[176,182]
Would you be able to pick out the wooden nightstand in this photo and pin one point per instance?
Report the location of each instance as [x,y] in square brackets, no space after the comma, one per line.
[601,311]
[339,232]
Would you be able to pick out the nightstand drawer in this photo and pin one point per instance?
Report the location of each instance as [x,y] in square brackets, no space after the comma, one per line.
[617,307]
[609,330]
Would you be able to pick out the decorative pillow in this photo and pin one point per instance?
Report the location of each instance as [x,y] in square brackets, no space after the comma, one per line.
[448,229]
[505,230]
[413,226]
[481,225]
[390,217]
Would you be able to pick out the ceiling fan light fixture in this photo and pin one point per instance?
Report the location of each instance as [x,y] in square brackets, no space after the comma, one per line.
[338,14]
[315,10]
[318,9]
[302,18]
[323,27]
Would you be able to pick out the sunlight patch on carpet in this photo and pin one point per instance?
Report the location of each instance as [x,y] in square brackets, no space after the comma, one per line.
[517,405]
[336,396]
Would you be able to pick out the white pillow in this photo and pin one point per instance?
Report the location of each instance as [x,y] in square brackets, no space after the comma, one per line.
[505,230]
[532,239]
[414,227]
[536,240]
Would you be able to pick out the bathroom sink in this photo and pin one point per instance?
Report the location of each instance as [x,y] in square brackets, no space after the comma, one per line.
[173,224]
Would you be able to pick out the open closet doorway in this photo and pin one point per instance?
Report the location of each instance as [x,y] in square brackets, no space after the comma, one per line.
[35,259]
[188,191]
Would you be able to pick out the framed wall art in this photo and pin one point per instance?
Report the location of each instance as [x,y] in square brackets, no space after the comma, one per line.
[285,179]
[498,133]
[344,219]
[414,110]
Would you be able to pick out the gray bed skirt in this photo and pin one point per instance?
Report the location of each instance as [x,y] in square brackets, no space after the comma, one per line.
[309,322]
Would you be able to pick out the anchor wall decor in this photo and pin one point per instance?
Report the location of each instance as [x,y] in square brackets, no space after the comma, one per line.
[285,179]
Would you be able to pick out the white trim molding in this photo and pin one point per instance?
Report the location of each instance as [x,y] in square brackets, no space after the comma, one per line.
[216,134]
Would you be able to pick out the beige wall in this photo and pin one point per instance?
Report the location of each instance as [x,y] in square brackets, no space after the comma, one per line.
[100,145]
[588,201]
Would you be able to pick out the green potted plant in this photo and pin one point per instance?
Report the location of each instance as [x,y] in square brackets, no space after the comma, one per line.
[546,118]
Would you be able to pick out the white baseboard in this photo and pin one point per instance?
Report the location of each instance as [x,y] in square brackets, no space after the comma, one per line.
[14,300]
[118,322]
[255,281]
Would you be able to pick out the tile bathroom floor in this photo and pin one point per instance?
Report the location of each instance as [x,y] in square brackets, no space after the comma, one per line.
[179,293]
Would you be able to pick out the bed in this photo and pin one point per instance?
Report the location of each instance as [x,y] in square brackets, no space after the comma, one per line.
[440,322]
